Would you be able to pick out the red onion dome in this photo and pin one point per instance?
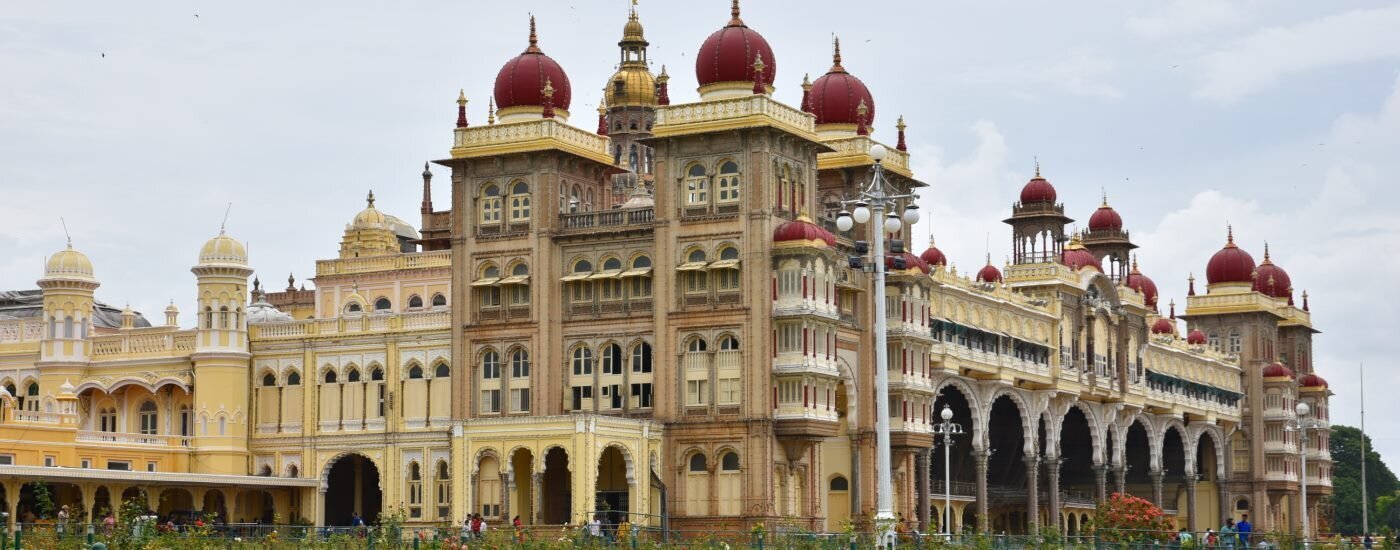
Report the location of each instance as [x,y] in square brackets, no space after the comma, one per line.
[837,95]
[1038,189]
[989,273]
[1271,279]
[728,54]
[1312,381]
[522,80]
[803,231]
[1231,264]
[1143,284]
[1163,326]
[1105,218]
[933,256]
[1277,370]
[1196,338]
[910,262]
[1076,256]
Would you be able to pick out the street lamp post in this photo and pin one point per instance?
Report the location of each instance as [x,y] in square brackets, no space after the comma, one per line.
[1302,423]
[947,428]
[879,197]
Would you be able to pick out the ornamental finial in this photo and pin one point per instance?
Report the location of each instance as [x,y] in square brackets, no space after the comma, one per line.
[1229,235]
[1266,252]
[758,66]
[900,144]
[1191,284]
[490,111]
[534,38]
[370,199]
[836,55]
[1037,166]
[861,112]
[548,92]
[734,20]
[461,108]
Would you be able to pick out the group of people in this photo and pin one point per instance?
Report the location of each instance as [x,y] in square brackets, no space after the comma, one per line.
[475,527]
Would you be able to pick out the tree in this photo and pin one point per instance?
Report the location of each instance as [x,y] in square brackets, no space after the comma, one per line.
[1127,519]
[1346,481]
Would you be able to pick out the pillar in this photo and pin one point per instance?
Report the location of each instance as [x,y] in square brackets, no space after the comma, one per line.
[1032,494]
[1226,507]
[1052,486]
[983,522]
[1156,488]
[12,490]
[1101,482]
[321,506]
[537,481]
[1190,482]
[1120,479]
[921,467]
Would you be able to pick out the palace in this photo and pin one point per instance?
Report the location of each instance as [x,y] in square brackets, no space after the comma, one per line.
[658,320]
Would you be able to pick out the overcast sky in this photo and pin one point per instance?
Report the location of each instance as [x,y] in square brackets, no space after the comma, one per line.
[140,122]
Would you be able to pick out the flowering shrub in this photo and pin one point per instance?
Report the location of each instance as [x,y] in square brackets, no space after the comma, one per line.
[1126,518]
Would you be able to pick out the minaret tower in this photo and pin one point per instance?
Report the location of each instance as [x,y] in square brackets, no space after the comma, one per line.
[1037,223]
[221,359]
[631,99]
[1109,242]
[66,347]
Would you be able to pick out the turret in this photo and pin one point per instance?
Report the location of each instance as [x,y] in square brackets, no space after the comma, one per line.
[66,347]
[221,359]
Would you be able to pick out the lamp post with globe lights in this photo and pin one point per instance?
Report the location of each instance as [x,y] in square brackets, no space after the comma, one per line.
[1302,423]
[947,428]
[880,200]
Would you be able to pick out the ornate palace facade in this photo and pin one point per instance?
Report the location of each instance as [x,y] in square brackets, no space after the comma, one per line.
[658,318]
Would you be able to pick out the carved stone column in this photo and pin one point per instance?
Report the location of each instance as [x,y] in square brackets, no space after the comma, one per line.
[1190,483]
[1157,488]
[1101,482]
[1052,486]
[921,468]
[984,523]
[536,481]
[1032,493]
[1120,479]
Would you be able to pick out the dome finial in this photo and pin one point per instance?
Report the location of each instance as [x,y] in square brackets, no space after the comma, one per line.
[1103,192]
[900,126]
[291,282]
[1305,300]
[1266,252]
[1135,266]
[1191,284]
[534,38]
[222,224]
[370,199]
[1037,166]
[1229,235]
[758,66]
[490,111]
[65,232]
[461,110]
[1172,305]
[734,20]
[836,55]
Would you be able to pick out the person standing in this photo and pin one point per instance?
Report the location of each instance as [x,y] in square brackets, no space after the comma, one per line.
[1244,529]
[1367,542]
[1227,533]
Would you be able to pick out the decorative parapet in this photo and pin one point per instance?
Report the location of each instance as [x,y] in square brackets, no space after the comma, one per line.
[394,262]
[349,326]
[143,343]
[854,151]
[753,111]
[14,331]
[534,135]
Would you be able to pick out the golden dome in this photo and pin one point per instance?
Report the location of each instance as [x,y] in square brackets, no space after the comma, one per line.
[223,250]
[632,31]
[370,217]
[632,85]
[69,264]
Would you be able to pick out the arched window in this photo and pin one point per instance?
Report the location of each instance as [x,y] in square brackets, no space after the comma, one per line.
[728,343]
[696,345]
[520,363]
[330,377]
[582,287]
[840,483]
[1235,345]
[583,361]
[641,358]
[294,379]
[612,359]
[223,319]
[697,186]
[728,182]
[697,463]
[488,293]
[68,325]
[108,419]
[611,279]
[444,489]
[442,371]
[640,275]
[490,204]
[377,374]
[353,307]
[382,304]
[53,327]
[490,365]
[353,375]
[148,418]
[1213,340]
[439,300]
[415,491]
[729,462]
[415,373]
[728,269]
[415,302]
[575,200]
[519,202]
[696,278]
[269,379]
[519,283]
[208,317]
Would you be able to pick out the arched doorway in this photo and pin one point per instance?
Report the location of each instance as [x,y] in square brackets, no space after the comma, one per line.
[1006,469]
[101,504]
[961,465]
[1173,471]
[1137,458]
[353,488]
[176,502]
[522,503]
[215,504]
[1077,481]
[1208,509]
[136,495]
[611,493]
[557,488]
[838,503]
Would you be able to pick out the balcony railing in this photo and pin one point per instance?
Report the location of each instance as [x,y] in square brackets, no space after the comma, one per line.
[350,325]
[639,217]
[347,266]
[89,436]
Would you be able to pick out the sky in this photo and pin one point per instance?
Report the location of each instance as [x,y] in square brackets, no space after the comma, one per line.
[139,123]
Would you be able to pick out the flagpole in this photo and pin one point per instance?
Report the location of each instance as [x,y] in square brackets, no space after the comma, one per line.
[1365,503]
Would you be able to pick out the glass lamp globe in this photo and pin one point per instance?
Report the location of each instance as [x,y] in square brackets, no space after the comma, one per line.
[947,413]
[1302,409]
[844,221]
[878,152]
[911,214]
[862,212]
[892,223]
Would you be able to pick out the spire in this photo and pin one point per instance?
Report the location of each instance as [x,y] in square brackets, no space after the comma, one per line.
[291,282]
[862,111]
[1305,301]
[427,206]
[734,20]
[1135,266]
[806,94]
[548,92]
[1229,236]
[461,108]
[1103,192]
[490,111]
[836,56]
[534,38]
[1191,284]
[930,241]
[1266,253]
[370,199]
[602,114]
[1172,304]
[1037,166]
[900,145]
[758,66]
[662,97]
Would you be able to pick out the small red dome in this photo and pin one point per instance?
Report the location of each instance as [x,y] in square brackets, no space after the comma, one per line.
[933,256]
[1076,256]
[803,230]
[1271,279]
[1143,284]
[989,274]
[1038,189]
[1163,326]
[1196,338]
[910,262]
[522,79]
[1231,264]
[1277,370]
[836,96]
[728,54]
[1312,381]
[1105,219]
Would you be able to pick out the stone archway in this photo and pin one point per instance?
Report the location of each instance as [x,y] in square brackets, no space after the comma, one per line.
[612,492]
[352,484]
[176,502]
[1007,478]
[522,468]
[1137,461]
[557,486]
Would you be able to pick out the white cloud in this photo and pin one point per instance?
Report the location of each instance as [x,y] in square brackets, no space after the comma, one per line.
[967,199]
[1252,63]
[1079,71]
[1182,17]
